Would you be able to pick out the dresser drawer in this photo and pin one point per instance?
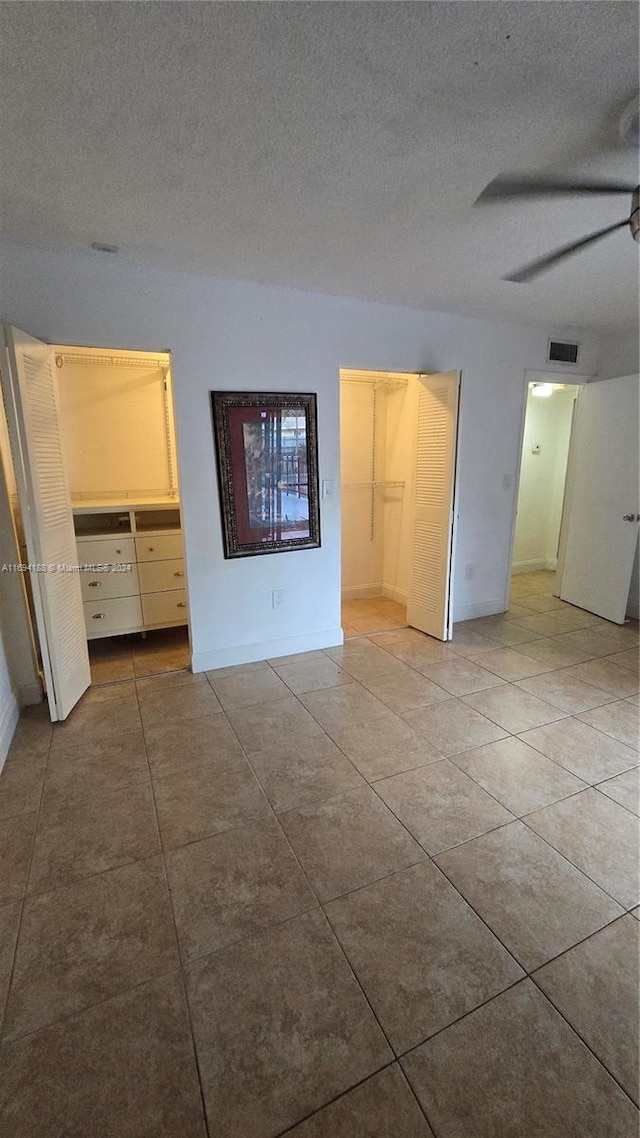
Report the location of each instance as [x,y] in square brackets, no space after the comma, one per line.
[164,547]
[110,617]
[165,608]
[105,550]
[119,582]
[159,576]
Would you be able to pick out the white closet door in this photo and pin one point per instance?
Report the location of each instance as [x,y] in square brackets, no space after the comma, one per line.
[30,393]
[602,511]
[429,603]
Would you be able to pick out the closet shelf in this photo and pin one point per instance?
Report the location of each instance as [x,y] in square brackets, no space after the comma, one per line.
[81,504]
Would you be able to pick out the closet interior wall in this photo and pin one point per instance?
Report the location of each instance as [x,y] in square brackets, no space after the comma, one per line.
[118,440]
[543,474]
[377,458]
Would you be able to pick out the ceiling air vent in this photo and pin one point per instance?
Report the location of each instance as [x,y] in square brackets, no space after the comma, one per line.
[562,352]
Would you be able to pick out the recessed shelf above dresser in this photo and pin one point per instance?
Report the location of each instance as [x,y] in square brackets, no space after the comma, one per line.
[131,565]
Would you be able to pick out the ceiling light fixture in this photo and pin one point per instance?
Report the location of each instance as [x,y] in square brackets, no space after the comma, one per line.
[544,390]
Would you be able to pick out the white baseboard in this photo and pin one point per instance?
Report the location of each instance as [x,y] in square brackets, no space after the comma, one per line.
[359,592]
[8,724]
[29,694]
[265,650]
[394,594]
[362,592]
[529,566]
[482,608]
[535,566]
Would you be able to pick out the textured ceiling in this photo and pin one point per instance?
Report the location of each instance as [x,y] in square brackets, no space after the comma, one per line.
[336,147]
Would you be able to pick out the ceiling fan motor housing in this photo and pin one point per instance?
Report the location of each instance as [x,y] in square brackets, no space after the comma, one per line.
[634,220]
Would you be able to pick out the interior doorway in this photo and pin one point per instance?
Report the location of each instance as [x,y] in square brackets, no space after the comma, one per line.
[398,445]
[93,449]
[576,523]
[548,423]
[375,459]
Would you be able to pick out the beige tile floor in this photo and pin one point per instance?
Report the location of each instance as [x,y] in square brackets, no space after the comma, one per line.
[118,658]
[388,890]
[365,616]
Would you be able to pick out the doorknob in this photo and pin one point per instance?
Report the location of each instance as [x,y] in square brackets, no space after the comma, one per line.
[631,517]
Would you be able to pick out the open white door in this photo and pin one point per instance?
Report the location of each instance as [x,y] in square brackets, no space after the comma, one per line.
[601,527]
[30,394]
[429,602]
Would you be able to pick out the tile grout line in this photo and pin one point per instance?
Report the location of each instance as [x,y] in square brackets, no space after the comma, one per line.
[581,1038]
[431,858]
[596,786]
[67,1017]
[321,909]
[336,1098]
[568,859]
[180,962]
[515,817]
[325,734]
[526,971]
[25,895]
[570,769]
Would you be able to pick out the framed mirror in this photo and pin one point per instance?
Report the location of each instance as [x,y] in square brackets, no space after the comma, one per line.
[267,455]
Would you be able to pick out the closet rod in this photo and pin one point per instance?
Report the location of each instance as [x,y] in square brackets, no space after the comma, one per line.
[374,381]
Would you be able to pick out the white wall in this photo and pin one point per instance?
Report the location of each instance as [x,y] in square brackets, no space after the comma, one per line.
[228,334]
[542,480]
[620,355]
[8,706]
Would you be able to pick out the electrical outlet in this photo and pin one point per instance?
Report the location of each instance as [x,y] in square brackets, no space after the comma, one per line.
[469,572]
[507,480]
[277,598]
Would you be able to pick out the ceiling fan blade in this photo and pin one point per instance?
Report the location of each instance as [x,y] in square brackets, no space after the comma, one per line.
[528,272]
[509,186]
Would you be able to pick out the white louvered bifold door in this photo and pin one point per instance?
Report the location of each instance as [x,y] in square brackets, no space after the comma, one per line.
[30,393]
[429,603]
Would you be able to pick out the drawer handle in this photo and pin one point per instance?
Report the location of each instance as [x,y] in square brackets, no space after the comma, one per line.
[94,584]
[179,573]
[118,551]
[181,605]
[99,615]
[150,548]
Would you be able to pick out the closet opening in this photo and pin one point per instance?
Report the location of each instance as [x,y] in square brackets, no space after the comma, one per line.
[548,423]
[398,447]
[95,508]
[119,444]
[375,459]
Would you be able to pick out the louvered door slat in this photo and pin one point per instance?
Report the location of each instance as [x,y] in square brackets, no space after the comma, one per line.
[32,413]
[428,607]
